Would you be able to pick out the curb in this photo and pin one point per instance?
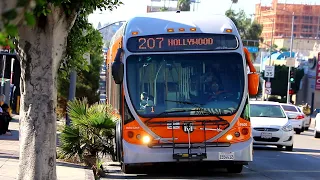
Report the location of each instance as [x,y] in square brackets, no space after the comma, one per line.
[89,174]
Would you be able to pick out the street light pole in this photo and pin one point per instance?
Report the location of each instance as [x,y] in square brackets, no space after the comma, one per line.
[270,49]
[291,46]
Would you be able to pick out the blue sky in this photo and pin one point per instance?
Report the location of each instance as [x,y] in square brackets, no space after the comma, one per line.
[134,7]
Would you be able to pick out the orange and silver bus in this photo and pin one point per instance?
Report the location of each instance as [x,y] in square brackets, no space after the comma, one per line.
[180,83]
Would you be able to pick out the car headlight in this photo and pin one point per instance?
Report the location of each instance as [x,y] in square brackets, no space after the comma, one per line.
[288,127]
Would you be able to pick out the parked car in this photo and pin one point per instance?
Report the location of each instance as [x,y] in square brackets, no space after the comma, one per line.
[297,118]
[317,126]
[270,125]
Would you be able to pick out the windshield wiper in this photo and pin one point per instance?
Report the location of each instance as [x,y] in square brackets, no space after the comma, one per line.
[168,112]
[196,105]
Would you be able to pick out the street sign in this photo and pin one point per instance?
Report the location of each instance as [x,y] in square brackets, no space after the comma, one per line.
[268,91]
[268,84]
[252,49]
[269,71]
[291,62]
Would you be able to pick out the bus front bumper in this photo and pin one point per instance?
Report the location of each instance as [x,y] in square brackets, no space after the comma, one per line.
[137,154]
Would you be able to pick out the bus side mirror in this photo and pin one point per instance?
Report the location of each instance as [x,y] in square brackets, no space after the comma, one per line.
[253,76]
[253,83]
[118,68]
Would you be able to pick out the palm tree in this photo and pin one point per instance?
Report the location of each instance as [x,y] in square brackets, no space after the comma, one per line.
[91,132]
[184,5]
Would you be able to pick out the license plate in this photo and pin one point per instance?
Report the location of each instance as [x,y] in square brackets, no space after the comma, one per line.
[226,155]
[265,135]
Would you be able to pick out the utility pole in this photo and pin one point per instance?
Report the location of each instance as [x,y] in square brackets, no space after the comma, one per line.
[72,91]
[291,46]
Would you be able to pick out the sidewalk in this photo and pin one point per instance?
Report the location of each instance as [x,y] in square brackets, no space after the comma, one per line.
[9,159]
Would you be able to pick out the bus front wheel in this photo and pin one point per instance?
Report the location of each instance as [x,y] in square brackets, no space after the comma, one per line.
[127,169]
[235,168]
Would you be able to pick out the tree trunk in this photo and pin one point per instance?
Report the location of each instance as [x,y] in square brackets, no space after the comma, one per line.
[40,50]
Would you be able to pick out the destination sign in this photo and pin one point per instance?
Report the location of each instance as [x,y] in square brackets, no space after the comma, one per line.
[182,42]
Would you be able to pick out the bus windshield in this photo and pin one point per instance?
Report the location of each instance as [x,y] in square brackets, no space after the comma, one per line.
[162,82]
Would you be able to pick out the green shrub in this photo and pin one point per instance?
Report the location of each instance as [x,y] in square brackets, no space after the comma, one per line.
[91,131]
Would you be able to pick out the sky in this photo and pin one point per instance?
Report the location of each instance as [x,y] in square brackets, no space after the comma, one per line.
[134,7]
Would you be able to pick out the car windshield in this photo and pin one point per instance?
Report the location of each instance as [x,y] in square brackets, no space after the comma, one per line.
[289,108]
[266,110]
[168,82]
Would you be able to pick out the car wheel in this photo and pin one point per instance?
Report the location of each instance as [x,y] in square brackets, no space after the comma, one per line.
[236,168]
[298,131]
[316,134]
[289,148]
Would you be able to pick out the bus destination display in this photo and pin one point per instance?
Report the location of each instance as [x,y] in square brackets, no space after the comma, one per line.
[182,42]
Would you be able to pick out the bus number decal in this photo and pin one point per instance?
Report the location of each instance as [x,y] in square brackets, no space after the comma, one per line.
[243,124]
[150,43]
[142,43]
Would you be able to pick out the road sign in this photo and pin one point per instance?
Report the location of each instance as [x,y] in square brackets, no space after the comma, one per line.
[268,91]
[291,62]
[268,84]
[252,49]
[269,71]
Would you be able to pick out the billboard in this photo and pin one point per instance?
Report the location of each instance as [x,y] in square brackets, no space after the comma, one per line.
[317,87]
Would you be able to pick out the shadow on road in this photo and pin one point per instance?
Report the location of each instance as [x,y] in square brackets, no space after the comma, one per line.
[167,171]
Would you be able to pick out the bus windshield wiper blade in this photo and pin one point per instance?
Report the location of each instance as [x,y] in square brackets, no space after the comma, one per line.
[168,112]
[196,105]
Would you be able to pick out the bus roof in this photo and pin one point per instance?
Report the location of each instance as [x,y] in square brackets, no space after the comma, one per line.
[159,22]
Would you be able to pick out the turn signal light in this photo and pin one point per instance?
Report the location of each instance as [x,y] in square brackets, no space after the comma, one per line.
[245,131]
[193,29]
[130,134]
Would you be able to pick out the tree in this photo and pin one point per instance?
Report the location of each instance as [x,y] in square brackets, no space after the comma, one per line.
[248,30]
[40,49]
[280,81]
[163,9]
[79,43]
[184,5]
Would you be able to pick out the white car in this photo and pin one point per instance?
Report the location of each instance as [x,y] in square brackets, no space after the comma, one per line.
[307,121]
[317,126]
[296,118]
[270,125]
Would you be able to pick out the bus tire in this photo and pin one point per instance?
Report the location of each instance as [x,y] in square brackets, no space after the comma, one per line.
[235,168]
[127,169]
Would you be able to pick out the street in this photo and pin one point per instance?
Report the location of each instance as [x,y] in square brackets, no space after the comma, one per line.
[268,163]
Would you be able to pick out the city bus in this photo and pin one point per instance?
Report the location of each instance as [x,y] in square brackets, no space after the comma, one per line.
[180,84]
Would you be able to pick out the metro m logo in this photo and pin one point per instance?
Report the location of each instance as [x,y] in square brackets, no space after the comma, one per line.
[188,127]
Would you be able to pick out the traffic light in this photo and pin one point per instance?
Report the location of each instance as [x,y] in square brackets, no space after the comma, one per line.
[292,80]
[291,92]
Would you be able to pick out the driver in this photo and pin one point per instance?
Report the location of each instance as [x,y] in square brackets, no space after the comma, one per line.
[215,90]
[145,100]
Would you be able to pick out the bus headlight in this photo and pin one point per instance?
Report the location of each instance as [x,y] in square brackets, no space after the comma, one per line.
[229,137]
[146,139]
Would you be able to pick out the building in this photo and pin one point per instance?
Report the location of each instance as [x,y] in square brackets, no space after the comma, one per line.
[306,21]
[169,5]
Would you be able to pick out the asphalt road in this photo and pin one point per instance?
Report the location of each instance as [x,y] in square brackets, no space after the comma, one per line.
[269,163]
